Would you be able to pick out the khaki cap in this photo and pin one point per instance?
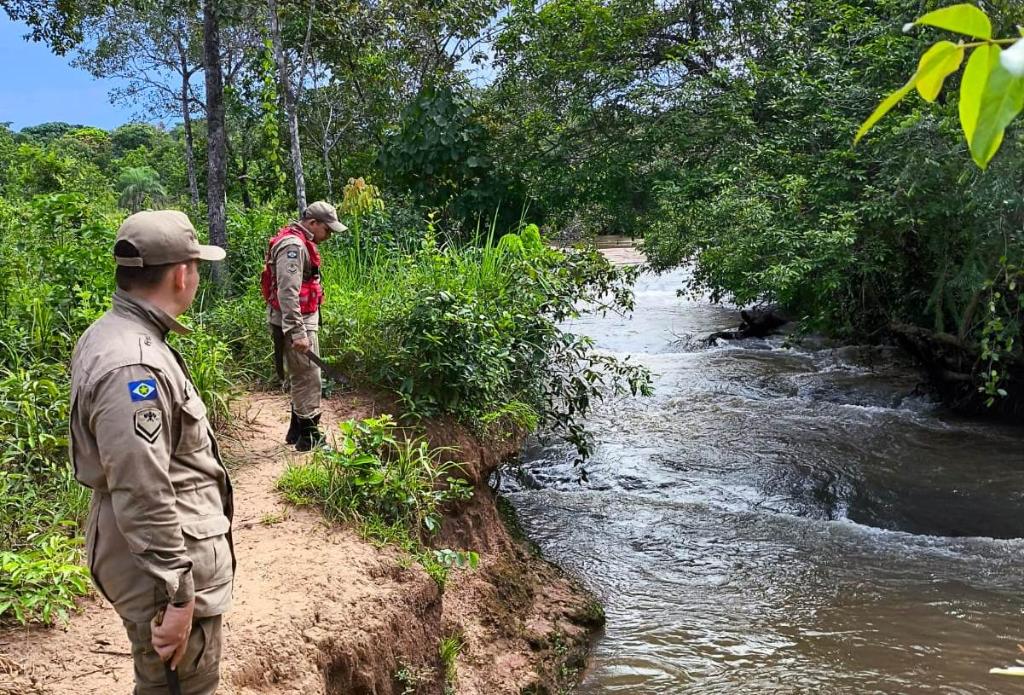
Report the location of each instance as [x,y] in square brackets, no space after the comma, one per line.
[326,213]
[163,237]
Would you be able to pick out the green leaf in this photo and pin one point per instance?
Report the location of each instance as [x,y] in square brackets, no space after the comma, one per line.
[937,63]
[979,66]
[963,19]
[885,107]
[1001,101]
[930,62]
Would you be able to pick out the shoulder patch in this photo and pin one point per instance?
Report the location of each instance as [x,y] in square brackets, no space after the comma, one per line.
[143,390]
[293,253]
[148,424]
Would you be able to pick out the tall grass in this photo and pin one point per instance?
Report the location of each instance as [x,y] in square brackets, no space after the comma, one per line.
[59,278]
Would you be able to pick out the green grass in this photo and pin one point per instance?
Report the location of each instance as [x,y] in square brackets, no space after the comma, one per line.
[448,650]
[393,488]
[375,473]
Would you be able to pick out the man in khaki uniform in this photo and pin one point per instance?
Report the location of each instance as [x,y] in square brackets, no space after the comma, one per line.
[158,537]
[291,287]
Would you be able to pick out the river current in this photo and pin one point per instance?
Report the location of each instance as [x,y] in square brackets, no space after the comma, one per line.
[782,519]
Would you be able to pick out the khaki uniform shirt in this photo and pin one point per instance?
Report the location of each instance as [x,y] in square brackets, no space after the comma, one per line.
[292,266]
[159,525]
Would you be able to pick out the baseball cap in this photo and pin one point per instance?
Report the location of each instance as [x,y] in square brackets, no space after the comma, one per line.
[326,213]
[162,237]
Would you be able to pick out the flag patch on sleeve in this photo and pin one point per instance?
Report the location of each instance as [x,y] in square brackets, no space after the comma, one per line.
[144,390]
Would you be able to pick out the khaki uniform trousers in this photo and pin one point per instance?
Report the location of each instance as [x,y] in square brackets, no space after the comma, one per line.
[304,378]
[199,670]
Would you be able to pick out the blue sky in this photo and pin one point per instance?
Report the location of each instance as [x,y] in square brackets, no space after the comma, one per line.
[37,86]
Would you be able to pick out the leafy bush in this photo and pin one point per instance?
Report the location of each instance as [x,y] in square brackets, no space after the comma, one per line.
[392,486]
[475,332]
[40,585]
[376,475]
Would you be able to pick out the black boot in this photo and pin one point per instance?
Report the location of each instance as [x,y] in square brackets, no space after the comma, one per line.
[309,433]
[293,430]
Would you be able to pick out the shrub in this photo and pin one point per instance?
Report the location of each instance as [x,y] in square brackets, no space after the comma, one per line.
[41,584]
[374,474]
[475,332]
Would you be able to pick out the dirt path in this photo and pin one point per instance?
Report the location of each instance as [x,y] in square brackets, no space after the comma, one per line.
[319,610]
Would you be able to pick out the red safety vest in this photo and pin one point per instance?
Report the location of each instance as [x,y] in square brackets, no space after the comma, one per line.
[311,293]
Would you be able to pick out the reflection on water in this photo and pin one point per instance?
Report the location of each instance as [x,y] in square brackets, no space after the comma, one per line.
[781,520]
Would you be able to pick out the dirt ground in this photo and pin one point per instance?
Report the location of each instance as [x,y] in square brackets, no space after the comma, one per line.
[319,610]
[624,255]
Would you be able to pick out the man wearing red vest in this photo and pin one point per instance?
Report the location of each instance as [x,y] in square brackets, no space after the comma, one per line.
[291,286]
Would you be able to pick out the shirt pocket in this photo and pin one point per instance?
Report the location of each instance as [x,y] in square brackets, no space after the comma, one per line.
[194,425]
[208,547]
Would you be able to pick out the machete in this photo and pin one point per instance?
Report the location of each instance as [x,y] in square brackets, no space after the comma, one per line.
[340,378]
[173,684]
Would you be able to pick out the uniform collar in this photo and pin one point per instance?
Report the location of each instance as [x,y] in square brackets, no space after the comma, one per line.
[148,313]
[298,225]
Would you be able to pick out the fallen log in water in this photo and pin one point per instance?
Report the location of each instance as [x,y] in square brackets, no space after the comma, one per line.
[754,323]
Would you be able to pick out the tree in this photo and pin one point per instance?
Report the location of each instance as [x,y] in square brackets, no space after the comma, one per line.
[132,136]
[216,138]
[327,119]
[291,82]
[58,23]
[143,44]
[580,83]
[136,184]
[439,153]
[87,144]
[45,133]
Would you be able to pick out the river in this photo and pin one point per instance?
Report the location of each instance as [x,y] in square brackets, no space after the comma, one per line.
[782,520]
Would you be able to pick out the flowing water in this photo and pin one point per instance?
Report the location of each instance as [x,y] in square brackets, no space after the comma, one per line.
[783,520]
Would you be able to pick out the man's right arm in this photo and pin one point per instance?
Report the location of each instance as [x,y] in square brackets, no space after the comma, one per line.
[289,259]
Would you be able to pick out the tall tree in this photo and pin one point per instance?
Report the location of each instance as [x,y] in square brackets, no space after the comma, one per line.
[291,92]
[327,119]
[216,138]
[144,44]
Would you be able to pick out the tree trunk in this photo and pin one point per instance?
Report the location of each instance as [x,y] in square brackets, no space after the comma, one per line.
[190,158]
[327,173]
[216,141]
[186,117]
[288,99]
[327,146]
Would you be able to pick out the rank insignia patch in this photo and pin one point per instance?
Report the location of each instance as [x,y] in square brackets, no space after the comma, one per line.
[144,390]
[148,424]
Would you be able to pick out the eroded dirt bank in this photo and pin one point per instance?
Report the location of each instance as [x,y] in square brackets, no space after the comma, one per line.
[319,610]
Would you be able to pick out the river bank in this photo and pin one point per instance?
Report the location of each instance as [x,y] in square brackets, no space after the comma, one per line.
[318,609]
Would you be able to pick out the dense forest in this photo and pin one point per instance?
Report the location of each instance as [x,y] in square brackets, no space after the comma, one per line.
[721,133]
